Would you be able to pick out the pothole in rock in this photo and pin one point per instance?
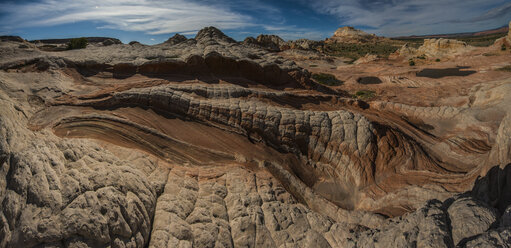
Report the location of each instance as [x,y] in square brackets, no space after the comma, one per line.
[369,80]
[447,72]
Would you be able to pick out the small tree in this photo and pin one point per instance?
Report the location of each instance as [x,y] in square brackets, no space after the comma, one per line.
[77,43]
[411,62]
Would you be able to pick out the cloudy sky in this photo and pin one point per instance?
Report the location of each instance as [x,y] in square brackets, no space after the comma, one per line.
[153,21]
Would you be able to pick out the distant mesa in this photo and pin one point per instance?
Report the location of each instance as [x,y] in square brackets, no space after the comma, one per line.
[352,35]
[90,40]
[500,30]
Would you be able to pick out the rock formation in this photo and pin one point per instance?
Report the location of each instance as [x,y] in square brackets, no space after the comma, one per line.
[436,48]
[351,35]
[271,42]
[206,142]
[306,44]
[366,59]
[213,34]
[176,39]
[274,43]
[506,40]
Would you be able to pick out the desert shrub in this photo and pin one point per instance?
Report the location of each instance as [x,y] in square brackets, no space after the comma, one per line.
[437,60]
[482,41]
[503,47]
[355,51]
[411,62]
[313,65]
[423,56]
[326,79]
[77,43]
[365,94]
[479,41]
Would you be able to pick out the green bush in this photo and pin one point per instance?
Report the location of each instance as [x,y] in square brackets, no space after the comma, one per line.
[411,62]
[356,51]
[437,60]
[77,43]
[503,47]
[365,94]
[422,56]
[326,79]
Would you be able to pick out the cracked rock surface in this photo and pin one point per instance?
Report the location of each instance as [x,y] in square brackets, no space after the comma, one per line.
[208,142]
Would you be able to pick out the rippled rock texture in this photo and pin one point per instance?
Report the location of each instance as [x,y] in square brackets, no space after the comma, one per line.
[207,142]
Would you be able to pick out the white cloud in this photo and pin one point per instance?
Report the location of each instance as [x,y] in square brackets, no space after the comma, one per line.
[405,17]
[153,17]
[149,16]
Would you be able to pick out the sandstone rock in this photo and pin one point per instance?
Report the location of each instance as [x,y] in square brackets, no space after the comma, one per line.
[88,196]
[366,59]
[275,44]
[508,37]
[212,143]
[436,48]
[109,42]
[351,35]
[407,51]
[305,44]
[176,39]
[211,33]
[495,238]
[470,217]
[271,42]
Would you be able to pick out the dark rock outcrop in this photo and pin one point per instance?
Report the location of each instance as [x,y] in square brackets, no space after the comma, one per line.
[11,38]
[176,39]
[212,34]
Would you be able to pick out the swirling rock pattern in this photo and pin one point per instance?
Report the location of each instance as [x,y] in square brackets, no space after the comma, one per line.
[210,143]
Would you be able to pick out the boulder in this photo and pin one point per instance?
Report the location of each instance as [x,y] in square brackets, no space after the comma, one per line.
[470,217]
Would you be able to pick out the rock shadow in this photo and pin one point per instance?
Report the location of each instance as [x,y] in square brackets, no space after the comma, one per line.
[494,188]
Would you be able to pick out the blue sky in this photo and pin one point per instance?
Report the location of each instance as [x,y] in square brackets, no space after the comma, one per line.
[153,21]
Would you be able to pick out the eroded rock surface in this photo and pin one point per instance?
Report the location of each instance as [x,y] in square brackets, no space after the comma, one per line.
[207,142]
[352,35]
[436,48]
